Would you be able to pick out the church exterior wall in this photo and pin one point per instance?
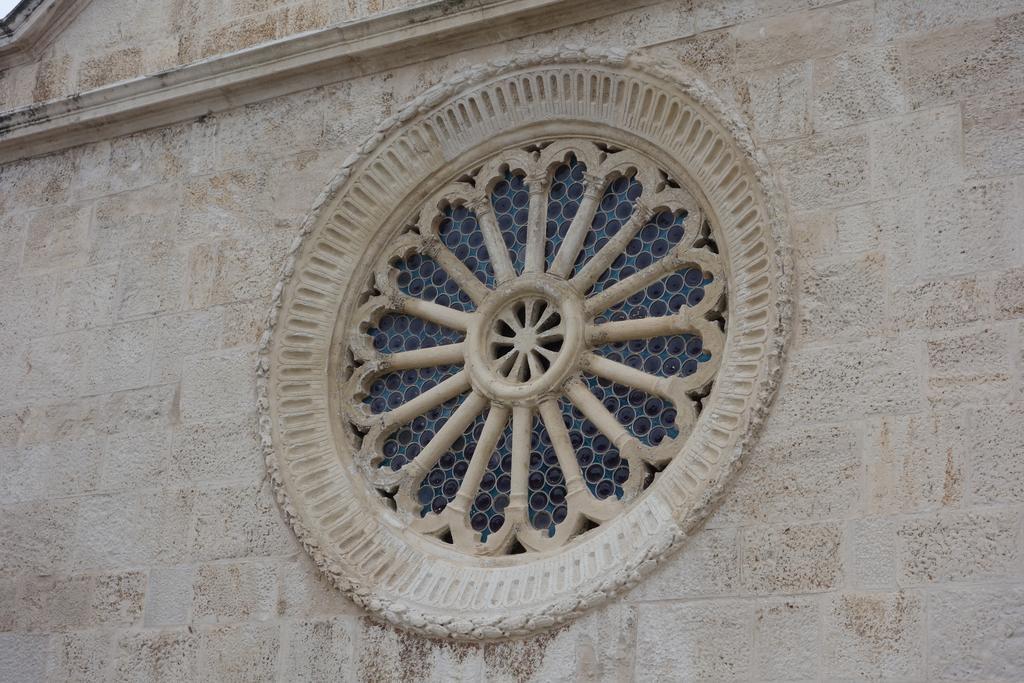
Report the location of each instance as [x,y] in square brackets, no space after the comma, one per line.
[876,529]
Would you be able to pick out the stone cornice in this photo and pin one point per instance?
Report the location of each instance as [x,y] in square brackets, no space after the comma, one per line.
[284,66]
[32,26]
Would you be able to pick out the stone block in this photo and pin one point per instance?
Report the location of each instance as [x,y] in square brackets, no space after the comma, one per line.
[916,151]
[37,537]
[777,100]
[824,170]
[185,334]
[711,52]
[152,279]
[33,183]
[599,648]
[123,219]
[8,605]
[786,640]
[135,461]
[235,270]
[971,366]
[969,546]
[321,650]
[63,468]
[940,304]
[844,298]
[12,239]
[708,564]
[244,323]
[857,86]
[712,14]
[842,382]
[51,603]
[874,636]
[974,633]
[791,559]
[133,529]
[696,641]
[796,474]
[895,18]
[57,238]
[80,656]
[86,298]
[965,61]
[27,307]
[218,384]
[223,449]
[149,655]
[235,591]
[1009,294]
[169,595]
[240,653]
[306,592]
[778,40]
[51,367]
[995,447]
[116,65]
[117,358]
[994,133]
[239,522]
[915,463]
[23,656]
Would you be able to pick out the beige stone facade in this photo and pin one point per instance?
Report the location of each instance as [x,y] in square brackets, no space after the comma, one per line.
[875,529]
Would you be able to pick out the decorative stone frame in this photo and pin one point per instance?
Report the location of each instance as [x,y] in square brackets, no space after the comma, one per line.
[662,111]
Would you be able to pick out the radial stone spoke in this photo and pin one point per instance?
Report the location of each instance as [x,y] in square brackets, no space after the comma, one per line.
[446,354]
[535,367]
[522,428]
[642,328]
[494,425]
[672,262]
[452,429]
[435,396]
[666,387]
[535,236]
[458,271]
[602,260]
[565,258]
[496,249]
[594,410]
[560,441]
[435,313]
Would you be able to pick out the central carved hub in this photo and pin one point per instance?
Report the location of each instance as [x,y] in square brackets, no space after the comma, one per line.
[526,338]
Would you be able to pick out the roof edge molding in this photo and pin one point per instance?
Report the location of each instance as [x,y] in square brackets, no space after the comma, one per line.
[31,26]
[281,67]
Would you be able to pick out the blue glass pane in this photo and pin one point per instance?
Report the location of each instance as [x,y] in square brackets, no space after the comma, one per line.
[613,212]
[563,201]
[396,332]
[649,418]
[424,278]
[545,484]
[510,200]
[603,470]
[677,355]
[441,484]
[487,514]
[461,233]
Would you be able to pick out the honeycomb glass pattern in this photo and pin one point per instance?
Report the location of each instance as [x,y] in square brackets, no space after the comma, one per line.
[487,514]
[546,487]
[649,418]
[510,200]
[442,482]
[615,209]
[395,332]
[460,232]
[563,201]
[611,477]
[603,469]
[424,278]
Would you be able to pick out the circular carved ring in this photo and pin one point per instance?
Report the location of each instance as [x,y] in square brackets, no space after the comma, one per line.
[528,333]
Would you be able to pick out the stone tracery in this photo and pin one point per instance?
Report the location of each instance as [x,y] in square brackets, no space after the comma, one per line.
[578,344]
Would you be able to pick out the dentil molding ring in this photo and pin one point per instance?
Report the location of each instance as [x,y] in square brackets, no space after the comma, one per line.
[526,336]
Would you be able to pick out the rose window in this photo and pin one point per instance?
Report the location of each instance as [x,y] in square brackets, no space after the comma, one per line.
[535,346]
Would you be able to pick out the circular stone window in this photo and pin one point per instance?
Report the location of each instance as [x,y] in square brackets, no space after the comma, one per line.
[526,338]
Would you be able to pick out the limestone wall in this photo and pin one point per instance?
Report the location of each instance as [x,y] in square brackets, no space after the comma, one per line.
[877,530]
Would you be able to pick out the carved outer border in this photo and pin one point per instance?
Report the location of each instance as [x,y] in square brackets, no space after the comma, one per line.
[632,544]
